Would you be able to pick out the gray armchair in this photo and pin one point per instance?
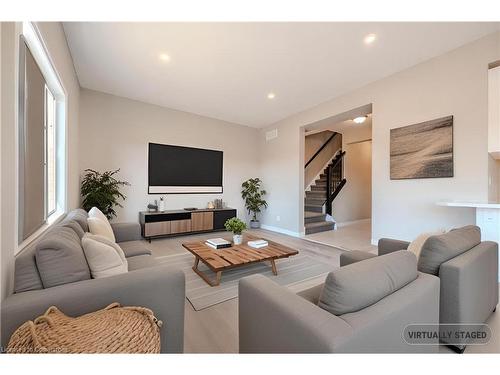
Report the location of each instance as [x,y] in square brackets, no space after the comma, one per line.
[273,319]
[467,267]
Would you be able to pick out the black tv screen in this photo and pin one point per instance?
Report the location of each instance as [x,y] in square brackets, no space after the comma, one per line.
[178,169]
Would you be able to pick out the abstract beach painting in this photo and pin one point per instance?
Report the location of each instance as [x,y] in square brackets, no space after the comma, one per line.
[423,150]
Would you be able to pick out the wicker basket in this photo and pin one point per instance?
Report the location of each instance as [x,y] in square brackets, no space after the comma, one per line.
[114,329]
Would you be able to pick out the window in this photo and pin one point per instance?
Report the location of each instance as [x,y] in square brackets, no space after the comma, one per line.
[50,153]
[42,162]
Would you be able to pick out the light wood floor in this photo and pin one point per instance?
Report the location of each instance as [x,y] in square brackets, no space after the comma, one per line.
[353,236]
[215,329]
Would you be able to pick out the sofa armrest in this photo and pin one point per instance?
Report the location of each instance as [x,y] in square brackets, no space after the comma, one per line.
[126,231]
[354,256]
[160,288]
[388,245]
[272,319]
[469,285]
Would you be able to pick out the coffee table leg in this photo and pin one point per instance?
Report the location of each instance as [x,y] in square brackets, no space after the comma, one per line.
[218,275]
[217,278]
[273,265]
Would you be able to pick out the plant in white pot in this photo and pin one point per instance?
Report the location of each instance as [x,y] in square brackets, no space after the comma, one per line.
[254,201]
[236,226]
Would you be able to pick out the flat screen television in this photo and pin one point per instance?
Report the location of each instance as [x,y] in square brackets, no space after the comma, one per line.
[183,170]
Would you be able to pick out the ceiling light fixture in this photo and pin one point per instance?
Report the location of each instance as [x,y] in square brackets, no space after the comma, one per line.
[359,120]
[271,95]
[370,38]
[164,57]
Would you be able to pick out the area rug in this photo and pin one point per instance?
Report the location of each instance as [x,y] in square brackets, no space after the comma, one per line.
[298,272]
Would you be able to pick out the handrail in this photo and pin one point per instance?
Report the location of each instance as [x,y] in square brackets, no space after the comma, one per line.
[340,181]
[339,158]
[320,149]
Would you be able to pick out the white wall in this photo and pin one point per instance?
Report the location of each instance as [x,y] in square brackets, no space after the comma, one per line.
[55,42]
[451,84]
[115,132]
[354,201]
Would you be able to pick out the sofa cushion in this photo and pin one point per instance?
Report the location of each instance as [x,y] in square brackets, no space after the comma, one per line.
[141,261]
[105,257]
[80,216]
[417,244]
[134,248]
[26,275]
[60,258]
[439,249]
[359,285]
[73,224]
[101,228]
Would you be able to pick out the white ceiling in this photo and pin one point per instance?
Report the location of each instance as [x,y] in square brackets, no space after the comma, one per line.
[226,70]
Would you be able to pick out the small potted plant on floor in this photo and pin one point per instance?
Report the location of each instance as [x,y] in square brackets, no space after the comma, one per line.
[236,226]
[253,196]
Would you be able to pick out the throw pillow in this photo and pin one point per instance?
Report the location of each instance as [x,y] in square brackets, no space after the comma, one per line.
[105,258]
[416,245]
[101,228]
[95,212]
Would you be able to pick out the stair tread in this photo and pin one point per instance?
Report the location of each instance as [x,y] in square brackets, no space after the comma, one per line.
[308,214]
[319,224]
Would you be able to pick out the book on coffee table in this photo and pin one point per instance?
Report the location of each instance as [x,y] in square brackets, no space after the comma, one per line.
[218,243]
[257,244]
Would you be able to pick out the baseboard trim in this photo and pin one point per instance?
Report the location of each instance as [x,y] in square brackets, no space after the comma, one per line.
[280,230]
[345,223]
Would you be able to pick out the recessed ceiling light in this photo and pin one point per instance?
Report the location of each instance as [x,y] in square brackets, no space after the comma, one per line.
[359,120]
[164,57]
[370,38]
[271,95]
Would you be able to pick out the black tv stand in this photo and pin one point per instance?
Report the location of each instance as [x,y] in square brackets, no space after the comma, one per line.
[181,222]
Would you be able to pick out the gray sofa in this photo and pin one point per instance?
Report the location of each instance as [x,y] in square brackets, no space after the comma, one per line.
[467,267]
[371,316]
[53,271]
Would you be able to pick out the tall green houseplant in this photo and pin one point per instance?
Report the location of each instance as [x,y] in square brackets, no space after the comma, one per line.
[253,195]
[102,190]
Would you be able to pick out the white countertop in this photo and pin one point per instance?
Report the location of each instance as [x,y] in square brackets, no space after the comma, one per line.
[469,204]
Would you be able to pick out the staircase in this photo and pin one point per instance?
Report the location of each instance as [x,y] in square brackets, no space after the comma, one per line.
[323,192]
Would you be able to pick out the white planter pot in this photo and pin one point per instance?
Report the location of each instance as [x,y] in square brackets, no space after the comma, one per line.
[237,239]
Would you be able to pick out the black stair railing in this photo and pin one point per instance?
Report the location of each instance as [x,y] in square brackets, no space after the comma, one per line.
[334,180]
[320,149]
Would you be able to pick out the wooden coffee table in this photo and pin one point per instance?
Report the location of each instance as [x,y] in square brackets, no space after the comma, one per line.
[235,256]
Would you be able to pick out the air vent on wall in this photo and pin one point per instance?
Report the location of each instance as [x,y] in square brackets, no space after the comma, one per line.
[271,134]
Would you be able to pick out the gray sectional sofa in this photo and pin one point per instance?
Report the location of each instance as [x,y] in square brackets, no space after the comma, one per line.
[365,308]
[467,267]
[53,271]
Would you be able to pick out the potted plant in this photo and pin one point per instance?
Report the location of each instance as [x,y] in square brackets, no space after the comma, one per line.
[253,196]
[236,226]
[102,190]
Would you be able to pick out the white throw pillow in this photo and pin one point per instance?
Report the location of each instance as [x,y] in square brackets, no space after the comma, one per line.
[105,258]
[416,245]
[95,212]
[101,228]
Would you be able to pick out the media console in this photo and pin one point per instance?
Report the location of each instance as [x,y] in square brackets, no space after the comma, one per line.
[175,222]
